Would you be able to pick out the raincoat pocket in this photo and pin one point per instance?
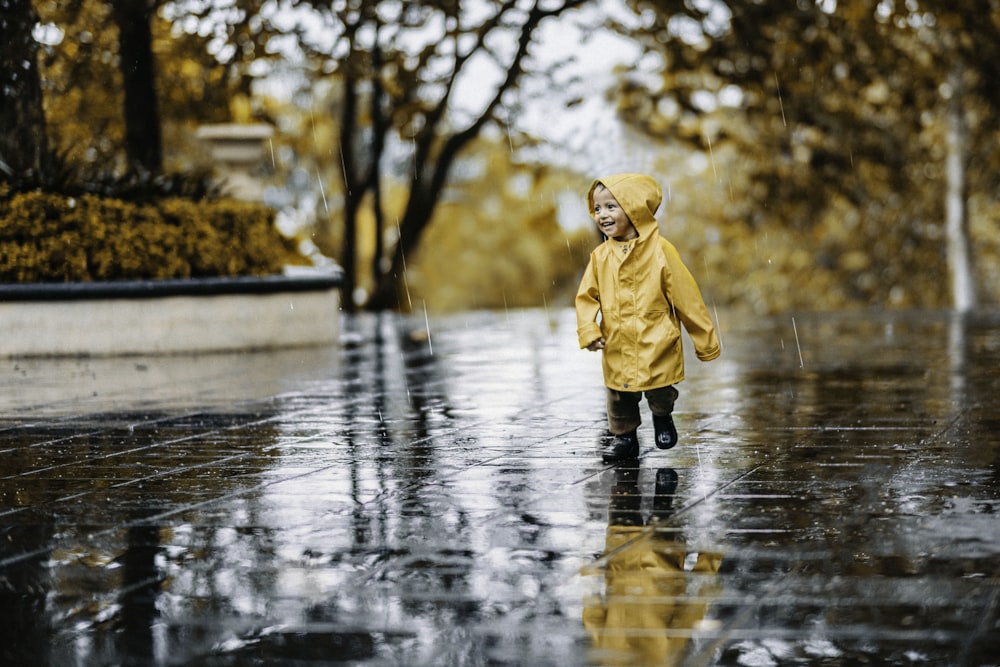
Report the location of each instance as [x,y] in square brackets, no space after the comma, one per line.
[659,350]
[658,330]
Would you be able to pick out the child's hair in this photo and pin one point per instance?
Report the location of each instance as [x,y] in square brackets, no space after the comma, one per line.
[599,186]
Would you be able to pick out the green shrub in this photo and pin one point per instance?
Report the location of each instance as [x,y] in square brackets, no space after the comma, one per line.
[59,238]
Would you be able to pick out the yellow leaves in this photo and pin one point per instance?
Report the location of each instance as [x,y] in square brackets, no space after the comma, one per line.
[81,81]
[240,109]
[877,93]
[855,261]
[50,238]
[326,140]
[497,243]
[190,69]
[71,50]
[83,91]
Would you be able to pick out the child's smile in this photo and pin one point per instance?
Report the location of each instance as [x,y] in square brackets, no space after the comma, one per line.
[611,218]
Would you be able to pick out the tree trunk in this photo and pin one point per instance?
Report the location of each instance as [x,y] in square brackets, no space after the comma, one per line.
[23,137]
[963,283]
[352,194]
[432,167]
[391,289]
[143,143]
[380,127]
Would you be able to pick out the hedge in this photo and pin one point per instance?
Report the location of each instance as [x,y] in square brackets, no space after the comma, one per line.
[56,238]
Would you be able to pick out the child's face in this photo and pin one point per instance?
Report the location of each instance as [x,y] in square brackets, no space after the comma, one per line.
[611,218]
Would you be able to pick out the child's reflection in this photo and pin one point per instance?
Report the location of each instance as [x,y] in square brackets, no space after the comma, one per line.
[654,591]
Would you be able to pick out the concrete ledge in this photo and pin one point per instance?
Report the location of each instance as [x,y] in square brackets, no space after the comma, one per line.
[169,316]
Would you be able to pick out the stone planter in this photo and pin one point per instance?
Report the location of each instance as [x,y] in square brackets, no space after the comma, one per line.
[301,308]
[237,151]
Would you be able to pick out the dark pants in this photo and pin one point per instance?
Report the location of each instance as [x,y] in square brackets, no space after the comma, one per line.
[623,407]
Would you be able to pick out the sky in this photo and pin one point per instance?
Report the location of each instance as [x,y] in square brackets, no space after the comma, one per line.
[587,129]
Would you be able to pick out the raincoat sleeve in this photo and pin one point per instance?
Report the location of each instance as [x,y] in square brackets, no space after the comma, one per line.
[689,305]
[588,307]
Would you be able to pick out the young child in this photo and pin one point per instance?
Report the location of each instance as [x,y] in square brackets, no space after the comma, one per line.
[640,289]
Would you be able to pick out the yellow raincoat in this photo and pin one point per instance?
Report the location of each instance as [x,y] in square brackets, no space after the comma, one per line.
[641,298]
[651,605]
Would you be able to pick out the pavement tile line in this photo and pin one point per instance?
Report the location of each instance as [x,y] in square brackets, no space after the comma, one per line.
[247,490]
[116,454]
[548,491]
[9,424]
[48,443]
[733,629]
[21,557]
[742,627]
[856,505]
[154,518]
[132,450]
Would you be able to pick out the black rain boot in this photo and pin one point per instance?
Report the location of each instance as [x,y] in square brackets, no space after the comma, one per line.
[666,432]
[663,493]
[625,501]
[621,447]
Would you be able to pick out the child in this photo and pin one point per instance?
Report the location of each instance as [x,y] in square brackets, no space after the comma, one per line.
[639,287]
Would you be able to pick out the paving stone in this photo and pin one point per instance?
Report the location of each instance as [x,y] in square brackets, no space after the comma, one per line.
[430,493]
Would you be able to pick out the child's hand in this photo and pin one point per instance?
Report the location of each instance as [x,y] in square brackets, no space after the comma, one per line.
[596,345]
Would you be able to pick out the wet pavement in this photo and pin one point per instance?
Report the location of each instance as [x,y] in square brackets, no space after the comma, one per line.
[430,494]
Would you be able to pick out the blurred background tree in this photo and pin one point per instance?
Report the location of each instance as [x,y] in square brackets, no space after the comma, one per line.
[849,128]
[814,154]
[376,86]
[397,66]
[497,208]
[112,93]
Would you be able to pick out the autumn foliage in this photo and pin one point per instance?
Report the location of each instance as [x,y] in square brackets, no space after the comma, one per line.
[58,238]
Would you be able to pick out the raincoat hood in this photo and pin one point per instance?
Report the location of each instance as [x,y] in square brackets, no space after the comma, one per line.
[637,194]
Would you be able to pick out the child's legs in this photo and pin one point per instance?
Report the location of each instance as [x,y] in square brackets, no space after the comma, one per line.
[661,401]
[623,411]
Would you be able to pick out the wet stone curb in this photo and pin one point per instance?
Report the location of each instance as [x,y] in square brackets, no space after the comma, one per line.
[169,316]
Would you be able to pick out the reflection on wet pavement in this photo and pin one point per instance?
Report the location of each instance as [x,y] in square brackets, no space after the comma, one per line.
[434,498]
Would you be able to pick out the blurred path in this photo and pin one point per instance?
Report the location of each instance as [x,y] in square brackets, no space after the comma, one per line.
[433,497]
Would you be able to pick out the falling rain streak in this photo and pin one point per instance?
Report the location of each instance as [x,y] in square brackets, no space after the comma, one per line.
[427,325]
[711,156]
[402,256]
[322,190]
[797,345]
[718,325]
[781,104]
[343,169]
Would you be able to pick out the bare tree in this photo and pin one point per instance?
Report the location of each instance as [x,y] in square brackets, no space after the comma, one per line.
[402,83]
[397,66]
